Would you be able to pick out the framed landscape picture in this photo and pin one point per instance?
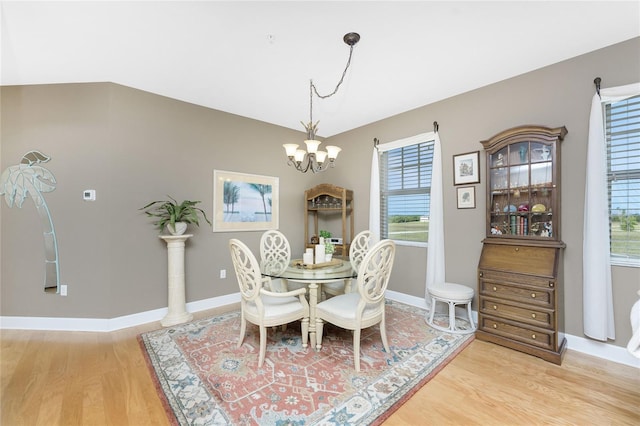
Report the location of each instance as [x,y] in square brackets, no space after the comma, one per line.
[244,202]
[466,168]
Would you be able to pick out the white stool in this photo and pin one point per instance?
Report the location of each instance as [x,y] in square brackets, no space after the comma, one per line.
[453,295]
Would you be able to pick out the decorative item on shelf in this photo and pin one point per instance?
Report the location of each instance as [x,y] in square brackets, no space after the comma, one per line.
[315,239]
[523,153]
[523,208]
[171,214]
[325,234]
[314,159]
[538,208]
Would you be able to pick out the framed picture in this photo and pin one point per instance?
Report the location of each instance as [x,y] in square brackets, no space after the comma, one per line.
[244,202]
[466,168]
[466,197]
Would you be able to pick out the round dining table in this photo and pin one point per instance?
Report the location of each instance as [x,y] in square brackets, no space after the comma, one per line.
[313,276]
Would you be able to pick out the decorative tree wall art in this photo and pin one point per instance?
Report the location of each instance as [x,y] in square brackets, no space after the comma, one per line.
[29,178]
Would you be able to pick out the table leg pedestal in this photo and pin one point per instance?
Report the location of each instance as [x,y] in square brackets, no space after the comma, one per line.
[314,289]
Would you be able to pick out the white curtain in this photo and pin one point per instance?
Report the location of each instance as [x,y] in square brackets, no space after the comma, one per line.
[435,252]
[596,258]
[374,194]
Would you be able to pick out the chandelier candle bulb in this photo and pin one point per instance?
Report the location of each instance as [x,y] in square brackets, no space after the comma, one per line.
[333,151]
[291,149]
[321,156]
[312,146]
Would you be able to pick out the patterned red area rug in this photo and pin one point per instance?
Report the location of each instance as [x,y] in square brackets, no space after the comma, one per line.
[204,379]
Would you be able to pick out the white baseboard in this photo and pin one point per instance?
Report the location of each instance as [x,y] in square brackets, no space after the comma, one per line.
[111,324]
[590,347]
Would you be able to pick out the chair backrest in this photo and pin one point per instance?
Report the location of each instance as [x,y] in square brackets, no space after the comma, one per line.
[360,246]
[375,271]
[247,270]
[275,250]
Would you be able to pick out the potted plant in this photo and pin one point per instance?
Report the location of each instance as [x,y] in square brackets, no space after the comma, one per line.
[329,249]
[325,234]
[175,216]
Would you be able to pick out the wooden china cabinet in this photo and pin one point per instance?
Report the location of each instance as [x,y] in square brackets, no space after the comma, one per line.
[520,271]
[325,202]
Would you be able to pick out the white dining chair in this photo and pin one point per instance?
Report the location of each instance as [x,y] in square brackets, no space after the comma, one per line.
[366,306]
[275,253]
[357,250]
[262,307]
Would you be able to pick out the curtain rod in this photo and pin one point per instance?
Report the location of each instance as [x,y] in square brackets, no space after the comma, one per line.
[376,142]
[597,82]
[435,127]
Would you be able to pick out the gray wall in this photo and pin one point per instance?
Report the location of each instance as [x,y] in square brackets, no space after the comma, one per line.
[134,147]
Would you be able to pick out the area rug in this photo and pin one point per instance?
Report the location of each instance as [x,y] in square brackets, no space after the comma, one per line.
[204,379]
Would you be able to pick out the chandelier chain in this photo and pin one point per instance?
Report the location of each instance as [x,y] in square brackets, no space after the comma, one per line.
[313,89]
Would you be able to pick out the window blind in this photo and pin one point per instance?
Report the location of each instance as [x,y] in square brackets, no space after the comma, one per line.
[405,183]
[623,165]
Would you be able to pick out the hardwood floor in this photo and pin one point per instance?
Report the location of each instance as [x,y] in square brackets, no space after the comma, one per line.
[80,378]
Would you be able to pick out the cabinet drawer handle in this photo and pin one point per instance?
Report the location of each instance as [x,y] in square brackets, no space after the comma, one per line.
[517,248]
[533,336]
[495,288]
[495,307]
[533,295]
[551,284]
[533,316]
[481,274]
[495,325]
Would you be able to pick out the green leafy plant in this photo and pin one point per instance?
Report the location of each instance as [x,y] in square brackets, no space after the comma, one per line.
[329,248]
[325,234]
[170,212]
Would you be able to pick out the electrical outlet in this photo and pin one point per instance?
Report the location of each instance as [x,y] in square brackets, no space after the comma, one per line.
[223,273]
[63,290]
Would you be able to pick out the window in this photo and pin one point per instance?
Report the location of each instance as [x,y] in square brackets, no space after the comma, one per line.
[623,167]
[405,186]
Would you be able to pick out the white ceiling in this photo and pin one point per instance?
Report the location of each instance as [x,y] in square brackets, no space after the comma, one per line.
[255,59]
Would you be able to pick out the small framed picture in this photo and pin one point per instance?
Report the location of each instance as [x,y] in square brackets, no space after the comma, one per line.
[466,197]
[466,168]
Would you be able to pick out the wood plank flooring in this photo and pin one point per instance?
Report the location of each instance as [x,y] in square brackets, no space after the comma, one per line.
[81,378]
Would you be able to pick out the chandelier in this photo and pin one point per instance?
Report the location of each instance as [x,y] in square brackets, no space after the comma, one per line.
[313,158]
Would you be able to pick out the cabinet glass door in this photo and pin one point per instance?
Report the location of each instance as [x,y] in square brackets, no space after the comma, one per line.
[521,190]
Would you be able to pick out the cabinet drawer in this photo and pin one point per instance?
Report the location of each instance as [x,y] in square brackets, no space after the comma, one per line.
[522,313]
[520,332]
[517,279]
[541,261]
[528,295]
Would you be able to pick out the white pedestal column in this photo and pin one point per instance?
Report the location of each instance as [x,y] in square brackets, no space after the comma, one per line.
[177,307]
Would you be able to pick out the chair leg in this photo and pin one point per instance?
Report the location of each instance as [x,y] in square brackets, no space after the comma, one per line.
[452,316]
[383,334]
[263,345]
[473,326]
[243,329]
[356,348]
[433,310]
[305,332]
